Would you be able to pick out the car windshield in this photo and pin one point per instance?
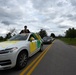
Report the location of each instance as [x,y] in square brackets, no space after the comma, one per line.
[45,38]
[19,37]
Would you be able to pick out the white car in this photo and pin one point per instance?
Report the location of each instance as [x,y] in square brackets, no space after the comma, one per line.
[17,49]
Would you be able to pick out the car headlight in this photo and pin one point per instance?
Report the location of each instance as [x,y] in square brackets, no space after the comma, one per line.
[14,48]
[8,50]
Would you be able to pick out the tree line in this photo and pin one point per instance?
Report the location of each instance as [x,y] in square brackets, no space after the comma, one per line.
[70,33]
[42,33]
[11,33]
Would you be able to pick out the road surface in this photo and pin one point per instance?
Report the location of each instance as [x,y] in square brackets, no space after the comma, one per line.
[57,58]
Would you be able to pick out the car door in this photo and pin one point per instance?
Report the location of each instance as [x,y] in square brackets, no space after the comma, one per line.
[33,44]
[38,41]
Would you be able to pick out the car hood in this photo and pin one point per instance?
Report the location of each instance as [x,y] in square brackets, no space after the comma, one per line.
[7,44]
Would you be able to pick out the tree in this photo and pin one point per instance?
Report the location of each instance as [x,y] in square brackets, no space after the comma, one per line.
[1,38]
[42,33]
[8,35]
[70,33]
[73,33]
[52,35]
[12,31]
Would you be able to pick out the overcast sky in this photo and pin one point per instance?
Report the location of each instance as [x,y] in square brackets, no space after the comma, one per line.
[55,16]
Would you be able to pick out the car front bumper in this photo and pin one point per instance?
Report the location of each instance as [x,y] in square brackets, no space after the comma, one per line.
[7,60]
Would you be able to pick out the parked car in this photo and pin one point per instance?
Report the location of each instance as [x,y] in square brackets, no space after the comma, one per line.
[47,40]
[18,49]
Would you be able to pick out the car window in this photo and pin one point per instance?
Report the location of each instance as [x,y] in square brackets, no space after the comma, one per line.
[19,37]
[45,38]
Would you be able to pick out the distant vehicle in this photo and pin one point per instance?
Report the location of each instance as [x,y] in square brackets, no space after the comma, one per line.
[47,40]
[17,49]
[52,38]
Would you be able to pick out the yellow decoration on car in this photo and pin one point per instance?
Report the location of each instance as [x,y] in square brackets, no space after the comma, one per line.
[7,43]
[38,37]
[32,46]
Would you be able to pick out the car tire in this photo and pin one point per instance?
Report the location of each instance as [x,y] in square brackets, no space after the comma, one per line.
[41,48]
[21,60]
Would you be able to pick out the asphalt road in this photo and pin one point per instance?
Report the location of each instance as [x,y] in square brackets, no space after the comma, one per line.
[58,59]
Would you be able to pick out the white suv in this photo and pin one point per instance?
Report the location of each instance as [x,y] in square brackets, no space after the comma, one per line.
[17,49]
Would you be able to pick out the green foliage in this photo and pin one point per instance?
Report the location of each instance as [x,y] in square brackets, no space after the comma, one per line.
[71,33]
[12,32]
[42,33]
[52,35]
[8,35]
[69,41]
[1,38]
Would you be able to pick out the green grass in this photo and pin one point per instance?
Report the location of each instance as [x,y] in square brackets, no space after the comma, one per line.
[69,41]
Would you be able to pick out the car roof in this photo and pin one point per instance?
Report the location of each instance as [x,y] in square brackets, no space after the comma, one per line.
[25,33]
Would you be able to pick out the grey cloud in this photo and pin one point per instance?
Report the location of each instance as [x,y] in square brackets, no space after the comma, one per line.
[45,20]
[3,12]
[63,26]
[39,4]
[66,15]
[71,17]
[4,2]
[47,8]
[8,3]
[37,14]
[5,22]
[22,1]
[50,17]
[60,21]
[31,21]
[8,22]
[73,2]
[43,4]
[60,4]
[9,13]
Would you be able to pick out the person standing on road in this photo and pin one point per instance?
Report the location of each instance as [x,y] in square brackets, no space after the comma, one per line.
[25,30]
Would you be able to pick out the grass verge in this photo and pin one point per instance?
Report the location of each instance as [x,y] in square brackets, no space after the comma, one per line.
[69,41]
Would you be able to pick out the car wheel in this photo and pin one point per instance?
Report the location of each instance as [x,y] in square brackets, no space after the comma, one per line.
[41,48]
[21,60]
